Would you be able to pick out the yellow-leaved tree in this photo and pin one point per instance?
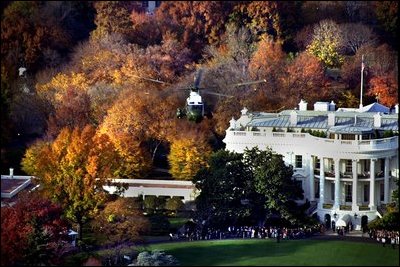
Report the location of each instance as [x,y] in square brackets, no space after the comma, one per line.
[326,43]
[189,152]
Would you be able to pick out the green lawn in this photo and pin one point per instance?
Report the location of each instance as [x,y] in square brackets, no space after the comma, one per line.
[177,222]
[288,252]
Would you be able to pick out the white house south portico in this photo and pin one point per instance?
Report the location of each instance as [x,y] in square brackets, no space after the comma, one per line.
[345,159]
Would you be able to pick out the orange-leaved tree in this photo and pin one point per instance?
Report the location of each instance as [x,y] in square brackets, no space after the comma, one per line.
[304,79]
[72,169]
[385,88]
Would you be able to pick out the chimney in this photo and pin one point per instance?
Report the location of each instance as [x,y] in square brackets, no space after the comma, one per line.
[11,173]
[232,123]
[377,120]
[293,118]
[332,106]
[244,111]
[302,105]
[331,119]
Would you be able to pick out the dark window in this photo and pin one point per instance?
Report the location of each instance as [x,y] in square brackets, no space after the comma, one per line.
[348,137]
[299,161]
[348,192]
[332,191]
[366,192]
[317,163]
[349,167]
[316,188]
[367,165]
[382,189]
[365,137]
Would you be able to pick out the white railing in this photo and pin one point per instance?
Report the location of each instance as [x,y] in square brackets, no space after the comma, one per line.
[250,137]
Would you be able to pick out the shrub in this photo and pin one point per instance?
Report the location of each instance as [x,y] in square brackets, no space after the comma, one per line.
[155,258]
[153,203]
[174,204]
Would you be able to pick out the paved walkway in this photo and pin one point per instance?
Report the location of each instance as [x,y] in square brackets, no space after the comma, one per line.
[355,236]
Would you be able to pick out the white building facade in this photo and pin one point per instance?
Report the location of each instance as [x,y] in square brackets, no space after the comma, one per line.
[345,159]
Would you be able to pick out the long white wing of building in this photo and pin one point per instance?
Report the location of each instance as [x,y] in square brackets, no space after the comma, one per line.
[345,159]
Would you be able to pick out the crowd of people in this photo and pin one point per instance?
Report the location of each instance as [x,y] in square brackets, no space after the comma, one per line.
[385,237]
[230,232]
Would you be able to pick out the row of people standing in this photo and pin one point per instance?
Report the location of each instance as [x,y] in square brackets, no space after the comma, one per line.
[385,237]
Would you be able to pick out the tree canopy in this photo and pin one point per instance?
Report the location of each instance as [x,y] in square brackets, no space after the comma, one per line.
[72,170]
[32,231]
[237,189]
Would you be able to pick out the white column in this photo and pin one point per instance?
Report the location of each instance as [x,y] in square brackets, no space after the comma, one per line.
[372,185]
[337,184]
[386,181]
[312,190]
[321,183]
[354,186]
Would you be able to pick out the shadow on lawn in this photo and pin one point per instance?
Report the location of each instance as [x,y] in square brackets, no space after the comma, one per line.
[231,252]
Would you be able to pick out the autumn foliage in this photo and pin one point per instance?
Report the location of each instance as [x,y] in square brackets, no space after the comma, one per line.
[73,168]
[385,89]
[29,229]
[189,152]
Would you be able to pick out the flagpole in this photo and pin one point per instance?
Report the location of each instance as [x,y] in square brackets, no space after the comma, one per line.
[362,80]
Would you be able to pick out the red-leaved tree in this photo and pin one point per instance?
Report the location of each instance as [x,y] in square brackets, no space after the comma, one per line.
[31,231]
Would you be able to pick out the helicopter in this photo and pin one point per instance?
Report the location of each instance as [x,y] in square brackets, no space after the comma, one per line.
[194,109]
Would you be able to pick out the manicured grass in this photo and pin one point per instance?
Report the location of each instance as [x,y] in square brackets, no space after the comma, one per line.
[177,222]
[289,252]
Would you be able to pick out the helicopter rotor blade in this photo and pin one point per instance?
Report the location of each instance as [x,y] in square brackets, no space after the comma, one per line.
[248,83]
[198,78]
[151,80]
[183,88]
[214,93]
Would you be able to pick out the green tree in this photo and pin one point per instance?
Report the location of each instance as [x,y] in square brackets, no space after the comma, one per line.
[153,203]
[395,194]
[246,188]
[227,195]
[273,179]
[174,204]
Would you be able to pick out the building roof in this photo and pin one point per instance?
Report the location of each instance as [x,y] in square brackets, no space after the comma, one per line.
[321,121]
[355,120]
[375,107]
[350,129]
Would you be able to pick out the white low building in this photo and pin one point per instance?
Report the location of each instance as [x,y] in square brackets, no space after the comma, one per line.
[347,165]
[147,187]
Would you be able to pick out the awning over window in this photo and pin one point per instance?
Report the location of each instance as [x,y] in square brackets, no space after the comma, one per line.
[342,222]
